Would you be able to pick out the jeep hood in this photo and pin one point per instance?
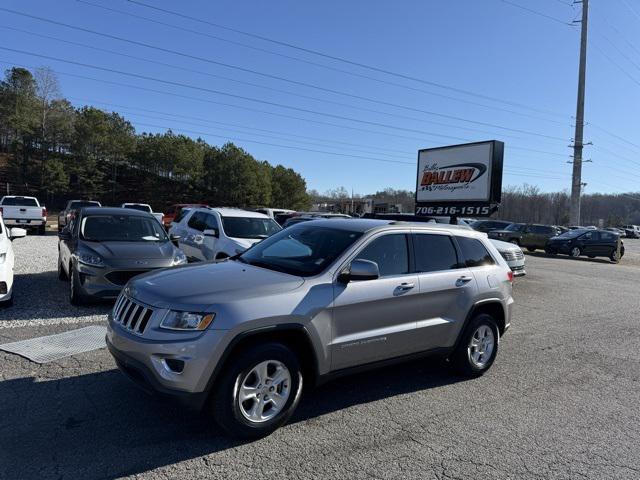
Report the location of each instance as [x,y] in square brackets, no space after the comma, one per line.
[202,285]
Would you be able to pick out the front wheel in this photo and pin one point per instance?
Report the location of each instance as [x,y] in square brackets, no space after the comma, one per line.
[477,348]
[575,252]
[76,296]
[62,275]
[614,257]
[258,392]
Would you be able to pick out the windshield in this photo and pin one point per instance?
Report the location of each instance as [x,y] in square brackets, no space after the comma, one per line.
[515,227]
[301,250]
[142,208]
[121,228]
[20,202]
[572,233]
[78,205]
[248,227]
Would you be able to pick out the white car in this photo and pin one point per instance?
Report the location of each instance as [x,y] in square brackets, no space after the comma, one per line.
[513,255]
[216,233]
[7,260]
[143,207]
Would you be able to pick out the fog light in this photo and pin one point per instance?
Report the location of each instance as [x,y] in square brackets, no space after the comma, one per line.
[176,366]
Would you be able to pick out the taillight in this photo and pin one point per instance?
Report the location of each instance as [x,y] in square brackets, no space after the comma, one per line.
[1,211]
[510,276]
[44,212]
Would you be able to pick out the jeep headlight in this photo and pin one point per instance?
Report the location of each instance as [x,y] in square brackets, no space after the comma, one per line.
[186,320]
[179,258]
[91,259]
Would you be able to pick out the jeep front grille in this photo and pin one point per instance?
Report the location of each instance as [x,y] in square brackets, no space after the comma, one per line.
[131,315]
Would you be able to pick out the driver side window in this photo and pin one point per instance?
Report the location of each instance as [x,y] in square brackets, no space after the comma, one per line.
[390,252]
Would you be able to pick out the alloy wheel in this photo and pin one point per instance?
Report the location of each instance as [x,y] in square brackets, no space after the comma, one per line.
[264,391]
[481,346]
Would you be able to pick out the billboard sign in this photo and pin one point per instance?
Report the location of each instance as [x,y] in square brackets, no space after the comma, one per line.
[460,179]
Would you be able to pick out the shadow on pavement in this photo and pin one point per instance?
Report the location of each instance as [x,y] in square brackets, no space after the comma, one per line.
[101,426]
[43,296]
[567,258]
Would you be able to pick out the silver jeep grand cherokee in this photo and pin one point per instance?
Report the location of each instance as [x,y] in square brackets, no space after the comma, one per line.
[241,336]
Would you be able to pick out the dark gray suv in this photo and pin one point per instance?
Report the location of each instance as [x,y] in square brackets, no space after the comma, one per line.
[103,248]
[241,337]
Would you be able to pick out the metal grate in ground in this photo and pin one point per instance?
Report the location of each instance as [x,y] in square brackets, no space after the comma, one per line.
[53,347]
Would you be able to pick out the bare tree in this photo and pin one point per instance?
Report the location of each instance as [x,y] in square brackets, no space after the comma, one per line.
[48,90]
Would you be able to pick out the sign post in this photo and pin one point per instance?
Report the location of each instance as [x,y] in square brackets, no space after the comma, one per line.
[460,180]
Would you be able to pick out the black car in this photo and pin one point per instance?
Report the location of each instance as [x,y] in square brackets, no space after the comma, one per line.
[101,249]
[590,243]
[529,236]
[486,226]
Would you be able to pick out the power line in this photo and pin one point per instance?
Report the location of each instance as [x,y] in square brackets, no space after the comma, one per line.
[535,12]
[617,65]
[328,67]
[633,10]
[359,97]
[332,57]
[322,100]
[243,97]
[278,114]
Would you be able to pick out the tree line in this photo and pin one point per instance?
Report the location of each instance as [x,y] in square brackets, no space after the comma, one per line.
[59,151]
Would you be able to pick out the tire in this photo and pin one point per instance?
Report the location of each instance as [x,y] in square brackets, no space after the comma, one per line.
[233,415]
[60,228]
[575,252]
[465,360]
[550,251]
[62,275]
[531,249]
[614,257]
[76,297]
[515,241]
[42,230]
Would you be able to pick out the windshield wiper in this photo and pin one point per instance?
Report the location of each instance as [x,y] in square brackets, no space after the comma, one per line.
[268,266]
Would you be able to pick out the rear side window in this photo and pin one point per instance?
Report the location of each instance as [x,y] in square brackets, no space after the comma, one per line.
[390,252]
[434,253]
[181,214]
[210,222]
[474,252]
[607,236]
[197,221]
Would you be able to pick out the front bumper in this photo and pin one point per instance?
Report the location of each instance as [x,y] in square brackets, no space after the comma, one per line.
[148,362]
[96,282]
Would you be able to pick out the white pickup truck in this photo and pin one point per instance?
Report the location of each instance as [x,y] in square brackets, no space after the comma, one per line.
[144,207]
[25,212]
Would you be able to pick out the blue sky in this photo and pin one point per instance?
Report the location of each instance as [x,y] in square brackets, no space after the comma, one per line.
[483,50]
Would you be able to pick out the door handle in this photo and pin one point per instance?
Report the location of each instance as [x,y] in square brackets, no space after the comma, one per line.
[406,286]
[463,281]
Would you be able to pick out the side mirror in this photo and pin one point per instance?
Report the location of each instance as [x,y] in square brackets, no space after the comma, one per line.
[359,270]
[16,232]
[64,234]
[174,238]
[213,232]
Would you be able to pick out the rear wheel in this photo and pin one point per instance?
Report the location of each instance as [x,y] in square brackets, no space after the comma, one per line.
[258,391]
[575,252]
[42,230]
[478,347]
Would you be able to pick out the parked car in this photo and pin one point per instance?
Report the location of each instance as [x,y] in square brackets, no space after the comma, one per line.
[216,233]
[103,248]
[576,227]
[591,243]
[513,255]
[529,236]
[65,216]
[486,226]
[23,212]
[144,207]
[7,235]
[312,301]
[174,210]
[631,231]
[275,212]
[617,231]
[561,228]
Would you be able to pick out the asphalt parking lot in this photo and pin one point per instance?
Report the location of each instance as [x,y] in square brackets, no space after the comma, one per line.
[560,402]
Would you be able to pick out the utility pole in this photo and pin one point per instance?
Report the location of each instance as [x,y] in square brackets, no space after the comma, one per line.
[576,183]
